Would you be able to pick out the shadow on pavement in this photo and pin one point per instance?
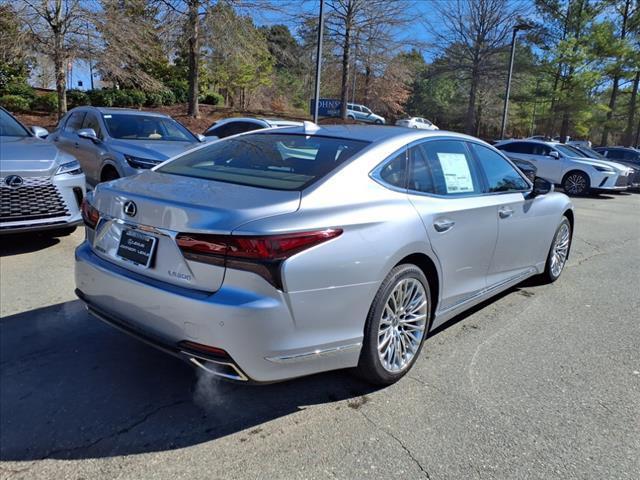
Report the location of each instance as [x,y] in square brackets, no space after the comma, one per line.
[73,388]
[15,244]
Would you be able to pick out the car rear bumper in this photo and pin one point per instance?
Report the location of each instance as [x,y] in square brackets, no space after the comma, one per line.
[255,327]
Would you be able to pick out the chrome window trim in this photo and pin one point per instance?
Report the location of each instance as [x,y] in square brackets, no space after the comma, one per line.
[375,173]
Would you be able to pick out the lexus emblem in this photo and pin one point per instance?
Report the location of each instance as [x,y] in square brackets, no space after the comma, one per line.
[129,208]
[14,181]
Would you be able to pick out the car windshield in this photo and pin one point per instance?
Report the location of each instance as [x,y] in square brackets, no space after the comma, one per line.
[10,127]
[568,151]
[146,127]
[275,161]
[590,153]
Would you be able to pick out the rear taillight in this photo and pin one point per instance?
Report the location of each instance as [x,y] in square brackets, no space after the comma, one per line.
[90,215]
[260,254]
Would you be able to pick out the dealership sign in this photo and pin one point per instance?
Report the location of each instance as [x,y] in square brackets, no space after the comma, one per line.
[327,107]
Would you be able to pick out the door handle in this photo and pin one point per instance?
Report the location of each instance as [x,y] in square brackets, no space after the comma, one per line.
[444,224]
[505,212]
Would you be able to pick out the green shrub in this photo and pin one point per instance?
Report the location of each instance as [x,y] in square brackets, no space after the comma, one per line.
[101,98]
[122,98]
[45,103]
[18,88]
[180,89]
[137,97]
[15,103]
[77,98]
[168,97]
[154,99]
[211,98]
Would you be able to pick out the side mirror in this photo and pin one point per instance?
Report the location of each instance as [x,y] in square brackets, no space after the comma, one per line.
[40,132]
[89,134]
[200,137]
[554,154]
[541,187]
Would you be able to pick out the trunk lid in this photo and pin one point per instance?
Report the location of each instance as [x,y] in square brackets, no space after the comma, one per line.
[169,204]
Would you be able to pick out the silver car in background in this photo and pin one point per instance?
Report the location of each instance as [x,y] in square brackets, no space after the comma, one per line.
[232,126]
[281,253]
[111,143]
[41,188]
[416,122]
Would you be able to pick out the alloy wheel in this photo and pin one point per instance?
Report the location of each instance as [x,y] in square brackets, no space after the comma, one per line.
[575,184]
[560,250]
[402,325]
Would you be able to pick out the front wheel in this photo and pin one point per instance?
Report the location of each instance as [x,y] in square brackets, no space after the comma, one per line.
[396,326]
[576,183]
[558,253]
[378,122]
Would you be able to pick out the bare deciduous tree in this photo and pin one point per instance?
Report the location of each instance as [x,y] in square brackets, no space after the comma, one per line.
[478,31]
[56,28]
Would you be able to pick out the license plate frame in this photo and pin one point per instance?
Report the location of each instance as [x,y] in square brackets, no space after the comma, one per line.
[137,247]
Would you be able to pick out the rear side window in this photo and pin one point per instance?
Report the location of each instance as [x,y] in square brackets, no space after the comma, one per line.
[74,122]
[275,161]
[444,167]
[501,176]
[395,172]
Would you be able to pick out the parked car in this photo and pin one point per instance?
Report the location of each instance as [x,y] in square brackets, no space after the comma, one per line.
[111,143]
[563,165]
[579,143]
[233,126]
[629,157]
[363,114]
[41,188]
[416,122]
[267,270]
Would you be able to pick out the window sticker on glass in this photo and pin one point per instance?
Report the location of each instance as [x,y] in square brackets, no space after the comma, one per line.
[456,172]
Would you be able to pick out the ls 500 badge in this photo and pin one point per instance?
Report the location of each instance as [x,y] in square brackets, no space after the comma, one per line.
[181,276]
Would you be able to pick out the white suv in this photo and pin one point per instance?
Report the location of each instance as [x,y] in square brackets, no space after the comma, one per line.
[566,166]
[416,122]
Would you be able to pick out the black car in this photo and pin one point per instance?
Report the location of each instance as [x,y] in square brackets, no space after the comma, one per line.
[627,156]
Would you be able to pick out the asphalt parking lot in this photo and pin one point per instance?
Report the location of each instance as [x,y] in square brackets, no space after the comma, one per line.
[542,382]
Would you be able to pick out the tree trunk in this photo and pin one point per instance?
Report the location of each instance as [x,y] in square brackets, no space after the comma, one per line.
[59,60]
[194,58]
[470,121]
[628,140]
[612,108]
[346,53]
[367,84]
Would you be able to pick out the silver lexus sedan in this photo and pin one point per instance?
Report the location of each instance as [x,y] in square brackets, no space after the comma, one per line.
[281,253]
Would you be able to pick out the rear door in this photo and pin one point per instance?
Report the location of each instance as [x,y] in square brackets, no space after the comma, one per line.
[461,223]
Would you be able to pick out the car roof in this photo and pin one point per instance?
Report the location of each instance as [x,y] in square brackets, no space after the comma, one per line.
[280,121]
[371,133]
[525,140]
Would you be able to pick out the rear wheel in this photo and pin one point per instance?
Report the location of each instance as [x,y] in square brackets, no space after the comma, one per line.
[396,326]
[378,122]
[576,183]
[558,253]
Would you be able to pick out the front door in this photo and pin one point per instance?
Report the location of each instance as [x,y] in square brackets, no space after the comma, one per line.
[445,187]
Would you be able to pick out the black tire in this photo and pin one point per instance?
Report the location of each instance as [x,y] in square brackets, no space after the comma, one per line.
[108,174]
[378,122]
[370,366]
[549,275]
[576,183]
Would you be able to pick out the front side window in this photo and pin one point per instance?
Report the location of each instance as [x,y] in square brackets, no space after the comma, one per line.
[567,151]
[444,167]
[91,121]
[275,161]
[500,175]
[125,126]
[74,122]
[10,127]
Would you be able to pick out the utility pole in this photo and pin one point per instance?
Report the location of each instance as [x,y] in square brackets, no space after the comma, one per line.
[318,62]
[516,28]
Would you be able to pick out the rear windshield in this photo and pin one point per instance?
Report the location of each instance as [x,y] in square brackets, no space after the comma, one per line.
[276,161]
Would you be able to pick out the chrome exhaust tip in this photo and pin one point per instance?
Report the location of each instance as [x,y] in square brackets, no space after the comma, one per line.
[219,368]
